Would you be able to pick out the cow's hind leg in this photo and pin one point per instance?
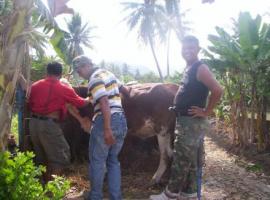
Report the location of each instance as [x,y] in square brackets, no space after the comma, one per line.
[164,143]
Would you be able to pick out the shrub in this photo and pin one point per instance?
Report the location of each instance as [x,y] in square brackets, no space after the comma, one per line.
[19,179]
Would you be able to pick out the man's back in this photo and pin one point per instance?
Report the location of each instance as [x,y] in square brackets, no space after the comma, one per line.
[49,95]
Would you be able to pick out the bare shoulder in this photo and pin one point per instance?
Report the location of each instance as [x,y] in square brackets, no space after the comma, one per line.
[203,67]
[205,76]
[203,72]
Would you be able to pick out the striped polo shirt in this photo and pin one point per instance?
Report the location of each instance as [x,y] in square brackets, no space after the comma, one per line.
[104,83]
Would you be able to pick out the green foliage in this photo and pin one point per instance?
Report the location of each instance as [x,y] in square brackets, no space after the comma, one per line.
[149,77]
[19,179]
[59,44]
[14,126]
[5,7]
[128,73]
[222,111]
[242,63]
[254,168]
[128,78]
[39,64]
[175,78]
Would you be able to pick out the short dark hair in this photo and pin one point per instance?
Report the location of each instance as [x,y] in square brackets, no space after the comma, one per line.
[190,39]
[54,68]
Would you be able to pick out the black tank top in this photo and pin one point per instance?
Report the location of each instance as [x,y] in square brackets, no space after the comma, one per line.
[192,92]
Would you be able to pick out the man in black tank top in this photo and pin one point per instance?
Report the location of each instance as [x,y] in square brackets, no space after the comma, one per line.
[192,111]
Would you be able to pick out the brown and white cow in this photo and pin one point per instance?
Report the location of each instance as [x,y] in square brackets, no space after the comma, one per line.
[146,108]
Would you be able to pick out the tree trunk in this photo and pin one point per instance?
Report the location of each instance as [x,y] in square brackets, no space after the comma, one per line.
[262,124]
[252,118]
[264,121]
[155,57]
[168,53]
[13,48]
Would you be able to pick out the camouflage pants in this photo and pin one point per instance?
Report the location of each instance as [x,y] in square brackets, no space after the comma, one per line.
[188,154]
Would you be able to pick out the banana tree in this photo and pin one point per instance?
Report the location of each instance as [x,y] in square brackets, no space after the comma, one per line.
[243,60]
[16,34]
[13,46]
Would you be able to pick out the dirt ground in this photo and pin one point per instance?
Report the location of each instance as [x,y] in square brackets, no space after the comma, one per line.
[226,175]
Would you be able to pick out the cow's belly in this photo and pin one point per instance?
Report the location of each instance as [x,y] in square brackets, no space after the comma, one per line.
[145,130]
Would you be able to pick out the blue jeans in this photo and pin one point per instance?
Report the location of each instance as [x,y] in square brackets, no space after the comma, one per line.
[102,155]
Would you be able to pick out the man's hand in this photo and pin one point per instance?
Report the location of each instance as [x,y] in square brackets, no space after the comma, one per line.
[196,111]
[86,124]
[108,136]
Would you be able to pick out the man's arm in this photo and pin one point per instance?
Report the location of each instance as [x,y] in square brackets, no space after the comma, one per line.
[24,85]
[85,122]
[99,94]
[106,112]
[206,77]
[73,98]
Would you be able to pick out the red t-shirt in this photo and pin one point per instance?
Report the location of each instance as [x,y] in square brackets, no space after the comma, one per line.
[49,95]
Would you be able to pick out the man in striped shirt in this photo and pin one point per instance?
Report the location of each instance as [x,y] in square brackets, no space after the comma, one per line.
[109,127]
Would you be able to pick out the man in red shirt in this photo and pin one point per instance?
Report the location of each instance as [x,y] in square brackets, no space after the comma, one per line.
[47,102]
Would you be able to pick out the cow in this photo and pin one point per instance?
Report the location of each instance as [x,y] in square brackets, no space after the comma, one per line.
[146,108]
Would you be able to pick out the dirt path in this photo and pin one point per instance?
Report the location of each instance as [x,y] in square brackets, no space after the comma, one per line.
[224,179]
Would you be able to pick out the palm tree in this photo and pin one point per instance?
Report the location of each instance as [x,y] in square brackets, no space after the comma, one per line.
[154,20]
[175,23]
[173,12]
[78,35]
[173,8]
[148,18]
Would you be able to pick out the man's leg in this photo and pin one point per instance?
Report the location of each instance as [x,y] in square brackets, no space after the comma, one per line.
[197,128]
[35,131]
[119,129]
[35,128]
[183,154]
[98,153]
[183,157]
[56,147]
[201,162]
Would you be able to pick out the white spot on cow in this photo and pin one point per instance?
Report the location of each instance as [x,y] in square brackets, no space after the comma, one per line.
[164,142]
[145,131]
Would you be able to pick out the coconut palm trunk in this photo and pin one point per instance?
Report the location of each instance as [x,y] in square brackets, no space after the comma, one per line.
[168,53]
[13,46]
[155,57]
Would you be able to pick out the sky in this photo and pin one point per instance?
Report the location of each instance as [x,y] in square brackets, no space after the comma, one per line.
[116,44]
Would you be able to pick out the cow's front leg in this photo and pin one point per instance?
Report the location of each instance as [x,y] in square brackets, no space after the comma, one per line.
[164,143]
